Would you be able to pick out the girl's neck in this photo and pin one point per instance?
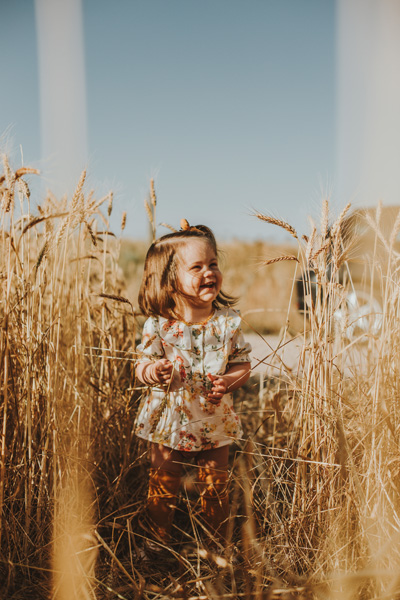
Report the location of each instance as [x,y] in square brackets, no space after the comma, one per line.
[192,315]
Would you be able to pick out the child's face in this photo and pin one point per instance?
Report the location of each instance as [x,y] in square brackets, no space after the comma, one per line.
[198,274]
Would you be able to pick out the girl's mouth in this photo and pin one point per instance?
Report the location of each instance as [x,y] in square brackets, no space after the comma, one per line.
[207,286]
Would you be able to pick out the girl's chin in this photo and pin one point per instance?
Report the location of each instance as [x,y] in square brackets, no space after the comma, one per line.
[207,297]
[205,292]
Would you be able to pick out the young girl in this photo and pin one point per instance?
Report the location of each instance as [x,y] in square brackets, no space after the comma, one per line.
[193,357]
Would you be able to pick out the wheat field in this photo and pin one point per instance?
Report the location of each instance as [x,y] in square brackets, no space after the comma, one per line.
[315,481]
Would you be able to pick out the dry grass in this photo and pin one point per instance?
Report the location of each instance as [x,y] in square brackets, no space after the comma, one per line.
[65,402]
[315,481]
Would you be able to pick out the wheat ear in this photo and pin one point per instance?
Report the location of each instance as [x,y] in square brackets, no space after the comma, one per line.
[271,261]
[168,227]
[278,222]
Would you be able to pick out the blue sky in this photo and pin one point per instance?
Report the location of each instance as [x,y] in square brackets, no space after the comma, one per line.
[229,105]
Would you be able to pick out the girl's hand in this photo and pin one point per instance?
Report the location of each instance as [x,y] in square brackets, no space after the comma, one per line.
[162,371]
[153,373]
[218,389]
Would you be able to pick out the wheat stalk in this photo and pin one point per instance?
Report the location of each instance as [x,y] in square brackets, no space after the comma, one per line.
[117,298]
[91,233]
[61,230]
[7,201]
[153,193]
[277,222]
[41,256]
[168,227]
[19,172]
[395,229]
[373,224]
[272,261]
[37,220]
[110,203]
[148,212]
[25,171]
[336,226]
[77,196]
[9,176]
[23,188]
[324,218]
[310,244]
[378,213]
[324,248]
[93,205]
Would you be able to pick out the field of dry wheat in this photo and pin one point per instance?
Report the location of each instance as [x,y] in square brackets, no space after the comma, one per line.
[314,482]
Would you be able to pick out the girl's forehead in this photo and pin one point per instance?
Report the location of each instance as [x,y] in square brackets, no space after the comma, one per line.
[195,249]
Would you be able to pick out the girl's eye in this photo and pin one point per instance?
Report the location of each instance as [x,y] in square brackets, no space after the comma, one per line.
[196,268]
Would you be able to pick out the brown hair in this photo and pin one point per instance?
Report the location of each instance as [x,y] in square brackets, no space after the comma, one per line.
[159,284]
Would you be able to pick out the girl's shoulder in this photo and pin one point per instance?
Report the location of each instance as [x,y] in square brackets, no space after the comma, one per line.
[152,321]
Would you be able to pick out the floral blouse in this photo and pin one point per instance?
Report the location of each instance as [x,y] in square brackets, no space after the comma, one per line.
[182,417]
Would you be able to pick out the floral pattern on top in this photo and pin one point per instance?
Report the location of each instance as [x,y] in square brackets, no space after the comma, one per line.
[188,421]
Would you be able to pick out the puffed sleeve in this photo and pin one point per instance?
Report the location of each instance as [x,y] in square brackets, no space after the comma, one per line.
[151,346]
[240,349]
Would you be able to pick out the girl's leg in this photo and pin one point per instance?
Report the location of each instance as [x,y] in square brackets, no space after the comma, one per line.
[164,482]
[217,458]
[162,457]
[213,474]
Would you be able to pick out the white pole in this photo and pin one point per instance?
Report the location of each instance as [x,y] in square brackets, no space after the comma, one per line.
[368,101]
[59,25]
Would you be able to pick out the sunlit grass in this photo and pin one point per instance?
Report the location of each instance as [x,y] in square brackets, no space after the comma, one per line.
[314,482]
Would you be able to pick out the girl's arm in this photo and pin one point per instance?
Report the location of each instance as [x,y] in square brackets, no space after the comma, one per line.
[153,373]
[235,376]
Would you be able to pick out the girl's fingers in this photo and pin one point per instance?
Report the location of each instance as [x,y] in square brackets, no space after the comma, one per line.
[217,392]
[214,401]
[218,383]
[163,370]
[219,386]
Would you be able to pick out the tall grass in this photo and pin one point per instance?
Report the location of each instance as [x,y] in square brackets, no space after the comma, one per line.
[63,394]
[332,486]
[315,481]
